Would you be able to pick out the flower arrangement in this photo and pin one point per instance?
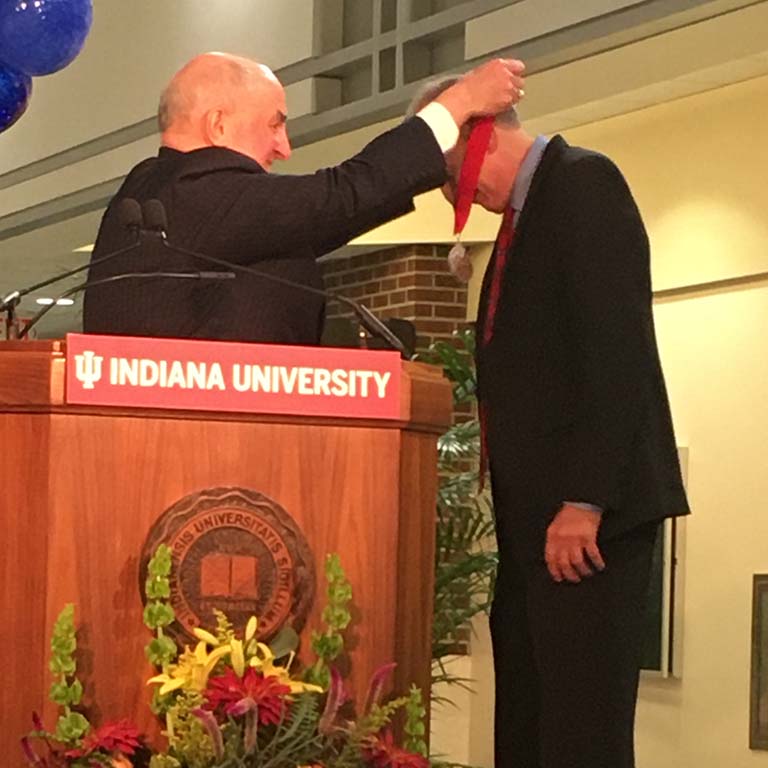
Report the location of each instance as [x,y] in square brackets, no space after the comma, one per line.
[233,702]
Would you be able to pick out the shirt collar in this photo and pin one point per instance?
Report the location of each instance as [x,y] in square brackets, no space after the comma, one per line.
[528,168]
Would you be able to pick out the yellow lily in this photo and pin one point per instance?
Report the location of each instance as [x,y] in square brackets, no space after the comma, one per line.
[195,667]
[192,671]
[237,657]
[205,636]
[264,661]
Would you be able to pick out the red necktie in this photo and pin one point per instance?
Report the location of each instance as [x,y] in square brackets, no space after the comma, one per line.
[499,261]
[503,243]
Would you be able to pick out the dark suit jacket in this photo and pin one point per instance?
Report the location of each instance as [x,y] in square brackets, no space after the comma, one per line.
[223,204]
[572,381]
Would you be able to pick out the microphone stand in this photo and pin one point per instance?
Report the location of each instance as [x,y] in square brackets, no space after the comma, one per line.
[10,302]
[114,278]
[367,319]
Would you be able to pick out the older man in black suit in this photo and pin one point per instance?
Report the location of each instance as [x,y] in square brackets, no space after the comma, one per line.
[223,124]
[579,440]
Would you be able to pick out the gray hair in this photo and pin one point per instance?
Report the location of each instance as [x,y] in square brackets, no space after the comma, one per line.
[173,103]
[433,88]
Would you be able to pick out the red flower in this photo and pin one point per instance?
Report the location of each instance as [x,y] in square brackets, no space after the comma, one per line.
[111,738]
[382,752]
[236,696]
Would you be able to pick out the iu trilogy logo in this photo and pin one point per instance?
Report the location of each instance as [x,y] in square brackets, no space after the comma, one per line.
[88,368]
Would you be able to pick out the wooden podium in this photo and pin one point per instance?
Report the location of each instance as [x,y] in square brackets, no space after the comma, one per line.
[81,487]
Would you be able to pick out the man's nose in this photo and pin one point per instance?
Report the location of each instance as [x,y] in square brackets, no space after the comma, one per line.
[283,147]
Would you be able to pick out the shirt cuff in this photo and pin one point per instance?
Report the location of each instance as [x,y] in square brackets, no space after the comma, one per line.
[582,505]
[442,125]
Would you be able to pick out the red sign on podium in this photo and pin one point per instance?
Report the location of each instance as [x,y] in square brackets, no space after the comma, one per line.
[226,376]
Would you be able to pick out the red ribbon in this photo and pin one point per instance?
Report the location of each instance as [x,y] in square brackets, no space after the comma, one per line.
[477,148]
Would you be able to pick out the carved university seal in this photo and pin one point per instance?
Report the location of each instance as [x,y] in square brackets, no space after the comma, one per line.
[237,551]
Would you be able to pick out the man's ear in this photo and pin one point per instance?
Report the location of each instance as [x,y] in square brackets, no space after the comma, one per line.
[214,127]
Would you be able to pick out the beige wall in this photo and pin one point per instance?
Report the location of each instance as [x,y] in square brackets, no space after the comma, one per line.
[132,50]
[713,352]
[698,172]
[697,167]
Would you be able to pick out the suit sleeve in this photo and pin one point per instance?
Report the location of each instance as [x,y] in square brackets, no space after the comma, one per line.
[608,305]
[272,216]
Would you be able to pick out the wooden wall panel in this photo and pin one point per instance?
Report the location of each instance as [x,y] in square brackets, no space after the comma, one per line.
[416,561]
[339,484]
[23,565]
[31,373]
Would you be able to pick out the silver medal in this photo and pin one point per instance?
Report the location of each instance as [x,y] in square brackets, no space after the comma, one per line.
[459,263]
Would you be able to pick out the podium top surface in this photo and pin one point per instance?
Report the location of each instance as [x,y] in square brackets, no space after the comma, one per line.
[36,377]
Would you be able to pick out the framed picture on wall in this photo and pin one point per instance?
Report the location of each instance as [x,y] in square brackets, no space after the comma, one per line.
[660,642]
[656,654]
[758,705]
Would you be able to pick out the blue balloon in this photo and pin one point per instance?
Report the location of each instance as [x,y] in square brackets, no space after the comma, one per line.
[38,37]
[15,90]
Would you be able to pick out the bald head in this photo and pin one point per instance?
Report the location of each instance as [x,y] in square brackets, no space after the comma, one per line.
[218,99]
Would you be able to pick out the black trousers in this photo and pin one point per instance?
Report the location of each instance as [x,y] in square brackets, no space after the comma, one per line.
[566,657]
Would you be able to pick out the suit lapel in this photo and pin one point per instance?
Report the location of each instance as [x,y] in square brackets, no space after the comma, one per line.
[482,303]
[550,158]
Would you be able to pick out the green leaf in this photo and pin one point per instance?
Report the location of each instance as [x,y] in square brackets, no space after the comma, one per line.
[59,694]
[336,617]
[225,630]
[457,360]
[75,693]
[65,622]
[328,647]
[189,741]
[161,651]
[62,665]
[333,568]
[71,727]
[158,588]
[160,563]
[63,645]
[286,641]
[318,675]
[158,614]
[414,729]
[161,703]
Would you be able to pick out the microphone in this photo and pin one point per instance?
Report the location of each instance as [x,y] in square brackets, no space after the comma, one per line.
[129,215]
[156,221]
[126,276]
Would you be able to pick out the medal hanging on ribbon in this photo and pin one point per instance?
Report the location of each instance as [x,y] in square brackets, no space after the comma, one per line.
[459,262]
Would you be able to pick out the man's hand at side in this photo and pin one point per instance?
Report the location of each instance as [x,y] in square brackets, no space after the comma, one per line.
[571,550]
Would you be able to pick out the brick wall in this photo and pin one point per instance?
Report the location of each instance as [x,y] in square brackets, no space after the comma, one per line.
[412,283]
[409,282]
